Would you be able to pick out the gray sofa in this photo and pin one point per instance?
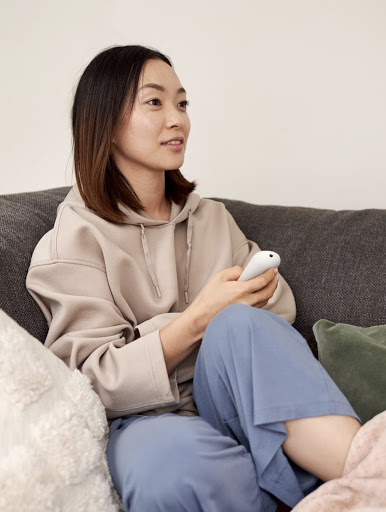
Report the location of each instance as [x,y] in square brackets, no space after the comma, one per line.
[334,261]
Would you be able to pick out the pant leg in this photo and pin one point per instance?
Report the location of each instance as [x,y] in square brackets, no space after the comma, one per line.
[253,372]
[170,463]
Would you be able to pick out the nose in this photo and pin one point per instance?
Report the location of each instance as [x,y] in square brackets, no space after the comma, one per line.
[175,118]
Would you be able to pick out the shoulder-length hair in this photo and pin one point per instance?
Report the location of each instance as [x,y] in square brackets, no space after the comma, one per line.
[109,84]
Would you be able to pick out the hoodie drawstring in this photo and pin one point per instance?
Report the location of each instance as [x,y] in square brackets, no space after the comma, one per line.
[149,263]
[188,253]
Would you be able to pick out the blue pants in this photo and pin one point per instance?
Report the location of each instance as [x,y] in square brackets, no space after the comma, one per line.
[253,372]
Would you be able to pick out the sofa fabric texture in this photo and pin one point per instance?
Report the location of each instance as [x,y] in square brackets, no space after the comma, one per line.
[334,261]
[24,218]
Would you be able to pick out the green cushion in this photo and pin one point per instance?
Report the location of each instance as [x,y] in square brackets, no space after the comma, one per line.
[355,358]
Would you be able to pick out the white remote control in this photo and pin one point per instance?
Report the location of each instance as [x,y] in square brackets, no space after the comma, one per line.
[260,263]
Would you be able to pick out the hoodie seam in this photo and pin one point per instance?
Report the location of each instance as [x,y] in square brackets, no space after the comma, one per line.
[153,377]
[54,243]
[142,406]
[156,226]
[69,261]
[157,391]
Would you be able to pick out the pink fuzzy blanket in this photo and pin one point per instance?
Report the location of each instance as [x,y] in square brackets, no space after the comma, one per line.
[363,484]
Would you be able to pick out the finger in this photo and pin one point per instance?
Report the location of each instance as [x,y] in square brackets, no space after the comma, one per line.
[252,302]
[263,295]
[232,273]
[260,305]
[263,280]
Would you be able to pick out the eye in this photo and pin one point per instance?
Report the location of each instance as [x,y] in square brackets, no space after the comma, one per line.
[183,104]
[155,102]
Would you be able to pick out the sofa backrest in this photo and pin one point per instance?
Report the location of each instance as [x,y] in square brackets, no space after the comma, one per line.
[24,218]
[334,261]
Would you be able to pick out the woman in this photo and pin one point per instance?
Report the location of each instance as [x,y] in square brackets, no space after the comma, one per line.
[216,402]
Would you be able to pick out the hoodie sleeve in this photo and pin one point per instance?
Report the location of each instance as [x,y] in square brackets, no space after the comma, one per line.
[87,331]
[282,302]
[157,322]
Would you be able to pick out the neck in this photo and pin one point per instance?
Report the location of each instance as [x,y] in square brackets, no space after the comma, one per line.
[150,188]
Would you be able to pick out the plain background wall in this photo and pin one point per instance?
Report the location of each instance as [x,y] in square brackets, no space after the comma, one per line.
[288,97]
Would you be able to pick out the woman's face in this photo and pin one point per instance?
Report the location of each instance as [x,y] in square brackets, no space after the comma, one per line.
[154,136]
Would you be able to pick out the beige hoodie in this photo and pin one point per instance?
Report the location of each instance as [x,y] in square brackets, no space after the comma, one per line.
[96,282]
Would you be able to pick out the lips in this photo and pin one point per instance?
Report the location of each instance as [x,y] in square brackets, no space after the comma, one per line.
[176,141]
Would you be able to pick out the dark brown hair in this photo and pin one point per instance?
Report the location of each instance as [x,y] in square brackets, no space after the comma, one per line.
[107,86]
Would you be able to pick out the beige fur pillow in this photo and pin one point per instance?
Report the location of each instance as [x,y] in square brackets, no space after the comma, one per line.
[53,432]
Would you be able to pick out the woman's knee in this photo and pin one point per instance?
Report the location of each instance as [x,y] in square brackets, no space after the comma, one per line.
[240,316]
[239,324]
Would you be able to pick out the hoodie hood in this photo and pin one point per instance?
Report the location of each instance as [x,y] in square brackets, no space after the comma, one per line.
[178,214]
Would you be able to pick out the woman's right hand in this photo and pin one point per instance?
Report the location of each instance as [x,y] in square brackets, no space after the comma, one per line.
[223,289]
[179,337]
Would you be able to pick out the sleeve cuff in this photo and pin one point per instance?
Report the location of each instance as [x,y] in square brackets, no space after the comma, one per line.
[155,323]
[165,386]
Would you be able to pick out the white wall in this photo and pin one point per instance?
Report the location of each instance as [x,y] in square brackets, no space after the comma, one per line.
[288,98]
